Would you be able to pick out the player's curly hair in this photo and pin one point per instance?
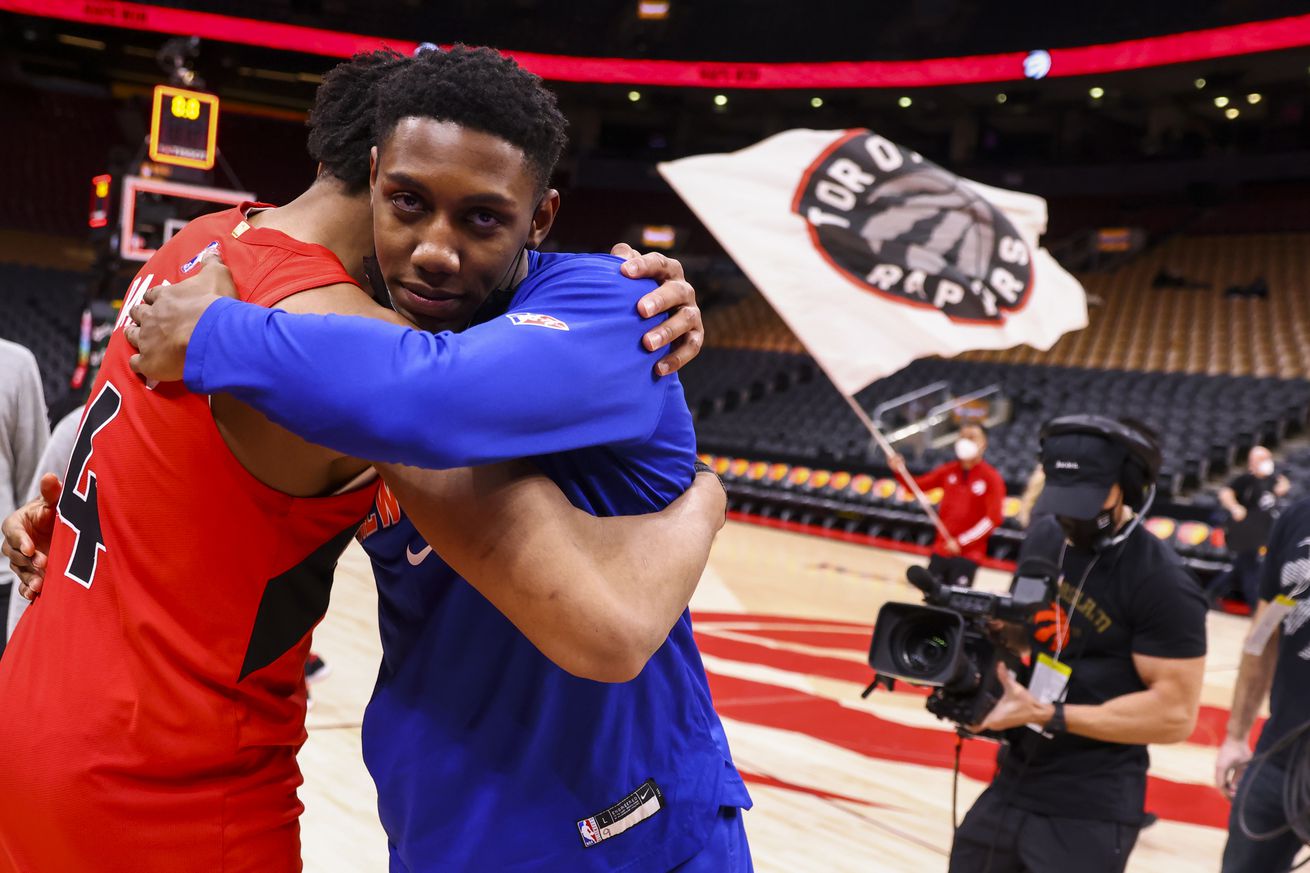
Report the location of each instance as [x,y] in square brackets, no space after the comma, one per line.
[341,120]
[480,89]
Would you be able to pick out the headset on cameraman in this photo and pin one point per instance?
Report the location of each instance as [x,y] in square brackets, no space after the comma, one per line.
[1141,465]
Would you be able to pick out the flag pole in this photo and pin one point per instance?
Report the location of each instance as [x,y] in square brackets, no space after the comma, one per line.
[887,450]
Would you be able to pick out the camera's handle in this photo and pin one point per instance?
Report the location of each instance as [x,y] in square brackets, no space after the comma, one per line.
[878,679]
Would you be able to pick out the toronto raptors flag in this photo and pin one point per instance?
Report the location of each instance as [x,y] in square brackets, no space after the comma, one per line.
[875,256]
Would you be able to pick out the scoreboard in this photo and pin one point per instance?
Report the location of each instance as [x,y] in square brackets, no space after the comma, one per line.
[183,127]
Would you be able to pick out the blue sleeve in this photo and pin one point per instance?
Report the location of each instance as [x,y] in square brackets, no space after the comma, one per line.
[564,369]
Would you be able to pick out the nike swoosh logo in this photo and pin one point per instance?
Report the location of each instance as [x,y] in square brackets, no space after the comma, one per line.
[416,558]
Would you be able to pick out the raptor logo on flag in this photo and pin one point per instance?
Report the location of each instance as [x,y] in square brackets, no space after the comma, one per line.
[900,226]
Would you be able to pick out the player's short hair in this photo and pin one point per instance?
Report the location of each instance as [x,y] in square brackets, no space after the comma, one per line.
[341,120]
[483,90]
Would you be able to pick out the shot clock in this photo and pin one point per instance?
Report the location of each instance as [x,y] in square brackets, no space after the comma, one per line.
[183,127]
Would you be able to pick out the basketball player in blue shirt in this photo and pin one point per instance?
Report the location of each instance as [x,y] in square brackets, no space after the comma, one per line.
[489,748]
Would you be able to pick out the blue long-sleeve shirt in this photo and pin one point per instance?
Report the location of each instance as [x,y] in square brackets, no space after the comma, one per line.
[486,755]
[546,381]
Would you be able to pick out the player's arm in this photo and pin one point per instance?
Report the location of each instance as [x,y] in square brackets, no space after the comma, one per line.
[901,471]
[1164,713]
[519,385]
[1255,677]
[1228,500]
[595,595]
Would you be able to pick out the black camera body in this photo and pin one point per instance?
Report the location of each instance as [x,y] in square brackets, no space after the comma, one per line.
[947,645]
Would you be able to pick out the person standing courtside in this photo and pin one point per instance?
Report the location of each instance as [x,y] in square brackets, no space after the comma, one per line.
[1275,663]
[1119,667]
[971,506]
[23,434]
[1252,503]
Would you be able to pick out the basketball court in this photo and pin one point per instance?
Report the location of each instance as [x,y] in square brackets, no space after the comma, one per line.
[840,784]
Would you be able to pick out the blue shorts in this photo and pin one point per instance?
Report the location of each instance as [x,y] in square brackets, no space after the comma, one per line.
[726,851]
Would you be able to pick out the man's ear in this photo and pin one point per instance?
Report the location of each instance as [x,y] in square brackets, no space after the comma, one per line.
[543,217]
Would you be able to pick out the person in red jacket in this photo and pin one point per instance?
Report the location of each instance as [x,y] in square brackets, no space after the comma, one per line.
[970,508]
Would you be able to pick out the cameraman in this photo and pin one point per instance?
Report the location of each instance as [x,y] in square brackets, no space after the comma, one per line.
[1128,630]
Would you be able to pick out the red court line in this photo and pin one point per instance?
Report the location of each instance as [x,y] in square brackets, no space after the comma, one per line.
[760,779]
[1211,722]
[743,617]
[852,641]
[793,662]
[876,738]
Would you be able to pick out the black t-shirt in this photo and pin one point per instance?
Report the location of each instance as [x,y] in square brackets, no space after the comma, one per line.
[1138,598]
[1287,572]
[1257,496]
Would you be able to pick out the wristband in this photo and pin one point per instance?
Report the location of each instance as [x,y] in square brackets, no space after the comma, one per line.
[1056,724]
[701,467]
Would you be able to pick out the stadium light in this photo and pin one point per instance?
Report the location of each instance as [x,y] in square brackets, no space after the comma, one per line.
[1231,112]
[1096,93]
[634,96]
[653,10]
[1253,98]
[1199,83]
[1001,98]
[1221,102]
[904,102]
[1186,47]
[816,102]
[720,100]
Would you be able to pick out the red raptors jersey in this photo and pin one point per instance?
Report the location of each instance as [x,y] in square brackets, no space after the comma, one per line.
[152,700]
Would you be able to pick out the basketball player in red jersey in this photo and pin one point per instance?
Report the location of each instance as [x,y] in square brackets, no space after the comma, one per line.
[154,695]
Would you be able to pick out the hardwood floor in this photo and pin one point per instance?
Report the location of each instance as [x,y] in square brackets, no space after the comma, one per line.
[840,783]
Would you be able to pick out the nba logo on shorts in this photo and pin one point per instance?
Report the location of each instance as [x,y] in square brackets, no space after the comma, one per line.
[590,834]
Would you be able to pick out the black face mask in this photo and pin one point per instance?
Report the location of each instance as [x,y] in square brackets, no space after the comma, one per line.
[1086,534]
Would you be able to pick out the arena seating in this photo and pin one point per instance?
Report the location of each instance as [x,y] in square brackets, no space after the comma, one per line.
[42,310]
[785,410]
[1139,327]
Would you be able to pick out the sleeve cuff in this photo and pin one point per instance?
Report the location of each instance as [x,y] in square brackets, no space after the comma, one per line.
[193,370]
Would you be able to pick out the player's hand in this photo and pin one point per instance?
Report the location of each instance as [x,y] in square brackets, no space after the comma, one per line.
[27,535]
[684,327]
[952,546]
[1229,764]
[1238,513]
[1016,706]
[162,323]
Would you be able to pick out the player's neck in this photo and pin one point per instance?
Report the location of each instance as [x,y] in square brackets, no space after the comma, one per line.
[329,216]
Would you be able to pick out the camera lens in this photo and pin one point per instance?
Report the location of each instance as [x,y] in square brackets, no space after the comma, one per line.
[923,647]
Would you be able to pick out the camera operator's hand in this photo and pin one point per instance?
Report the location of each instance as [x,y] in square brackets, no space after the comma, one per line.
[1238,513]
[1013,636]
[1016,707]
[1228,766]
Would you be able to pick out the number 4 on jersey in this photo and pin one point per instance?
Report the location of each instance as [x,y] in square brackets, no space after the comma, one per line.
[78,506]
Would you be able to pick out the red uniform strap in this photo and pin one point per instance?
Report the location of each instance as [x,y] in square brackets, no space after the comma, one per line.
[291,266]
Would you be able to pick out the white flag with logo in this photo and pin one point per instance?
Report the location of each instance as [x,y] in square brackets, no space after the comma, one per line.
[875,256]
